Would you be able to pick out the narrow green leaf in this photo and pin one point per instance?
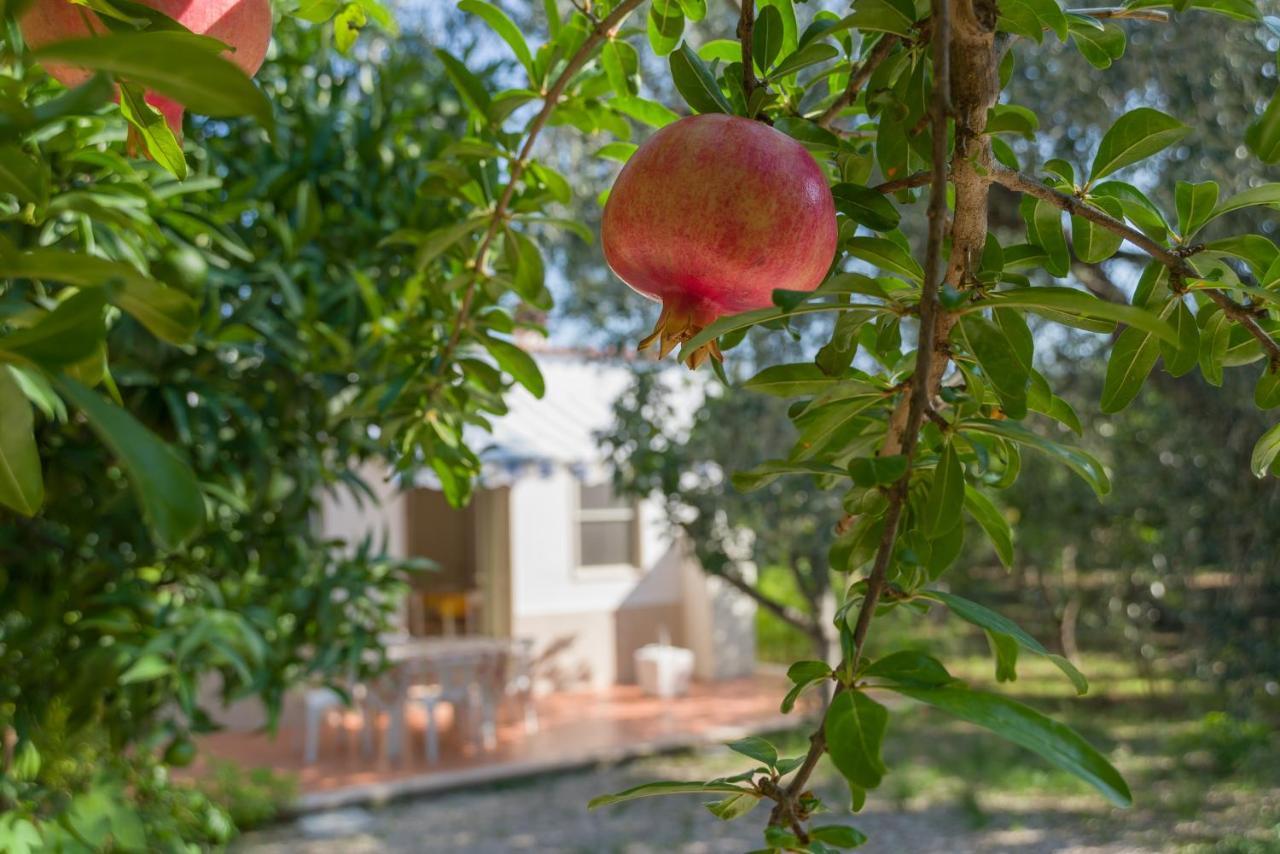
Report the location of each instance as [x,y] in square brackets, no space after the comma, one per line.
[175,64]
[854,727]
[516,362]
[70,333]
[150,125]
[469,87]
[865,206]
[650,790]
[810,54]
[1132,359]
[162,480]
[695,83]
[665,26]
[942,510]
[146,669]
[21,481]
[991,621]
[1266,451]
[910,667]
[23,177]
[1026,727]
[1196,204]
[766,38]
[992,522]
[757,748]
[1266,394]
[887,256]
[1182,359]
[1135,136]
[1267,194]
[504,27]
[1081,462]
[643,110]
[1078,304]
[1263,134]
[999,360]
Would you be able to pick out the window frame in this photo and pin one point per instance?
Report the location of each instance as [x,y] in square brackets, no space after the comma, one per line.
[631,513]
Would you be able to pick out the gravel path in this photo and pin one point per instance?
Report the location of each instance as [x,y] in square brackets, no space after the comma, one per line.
[549,815]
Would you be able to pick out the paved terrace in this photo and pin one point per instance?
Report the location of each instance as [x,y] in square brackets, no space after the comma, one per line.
[575,730]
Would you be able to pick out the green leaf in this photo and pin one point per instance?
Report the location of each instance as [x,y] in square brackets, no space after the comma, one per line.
[174,64]
[147,668]
[838,835]
[1099,45]
[1195,203]
[757,748]
[651,790]
[987,619]
[695,83]
[810,54]
[1078,304]
[854,727]
[1263,134]
[865,206]
[150,125]
[734,806]
[883,16]
[796,380]
[1265,452]
[643,110]
[1044,229]
[992,521]
[469,87]
[1182,359]
[164,484]
[516,362]
[803,674]
[504,27]
[1081,462]
[946,495]
[747,319]
[1026,727]
[1093,243]
[1132,359]
[1000,362]
[665,26]
[1267,194]
[766,38]
[168,313]
[1135,136]
[23,177]
[910,667]
[878,471]
[21,481]
[1266,394]
[70,333]
[886,255]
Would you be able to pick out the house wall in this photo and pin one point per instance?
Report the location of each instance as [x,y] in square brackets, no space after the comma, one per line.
[587,622]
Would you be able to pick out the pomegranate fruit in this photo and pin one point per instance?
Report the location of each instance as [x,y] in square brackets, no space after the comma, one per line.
[711,215]
[245,25]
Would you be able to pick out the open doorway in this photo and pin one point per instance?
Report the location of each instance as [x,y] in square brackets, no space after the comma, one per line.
[470,592]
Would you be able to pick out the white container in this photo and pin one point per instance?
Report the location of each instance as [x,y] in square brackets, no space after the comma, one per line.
[663,670]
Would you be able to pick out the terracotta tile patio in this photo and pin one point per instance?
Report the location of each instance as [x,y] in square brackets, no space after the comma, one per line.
[575,729]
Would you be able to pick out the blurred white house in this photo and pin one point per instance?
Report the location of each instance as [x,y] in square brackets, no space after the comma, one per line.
[547,552]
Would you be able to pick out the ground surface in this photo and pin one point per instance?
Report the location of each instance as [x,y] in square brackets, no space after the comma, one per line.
[1204,781]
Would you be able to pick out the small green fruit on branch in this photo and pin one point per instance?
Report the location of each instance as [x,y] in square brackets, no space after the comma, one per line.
[710,216]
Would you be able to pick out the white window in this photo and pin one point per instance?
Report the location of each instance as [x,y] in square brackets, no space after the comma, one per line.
[608,528]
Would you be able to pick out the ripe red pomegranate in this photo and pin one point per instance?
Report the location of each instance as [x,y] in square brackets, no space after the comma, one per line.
[243,24]
[711,215]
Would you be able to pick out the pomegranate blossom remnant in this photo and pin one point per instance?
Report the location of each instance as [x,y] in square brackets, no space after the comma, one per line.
[244,25]
[710,216]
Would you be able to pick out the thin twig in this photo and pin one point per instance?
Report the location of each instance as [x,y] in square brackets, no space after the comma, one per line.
[915,179]
[878,54]
[604,30]
[1177,264]
[746,31]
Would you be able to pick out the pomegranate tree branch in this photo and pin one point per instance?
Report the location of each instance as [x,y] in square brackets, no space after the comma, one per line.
[746,32]
[1177,264]
[910,182]
[878,54]
[791,616]
[965,59]
[551,99]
